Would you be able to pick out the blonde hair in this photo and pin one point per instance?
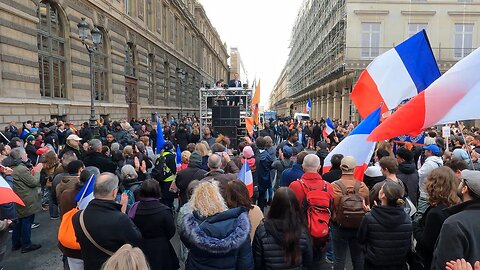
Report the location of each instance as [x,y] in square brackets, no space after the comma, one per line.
[186,156]
[202,149]
[207,200]
[127,258]
[385,146]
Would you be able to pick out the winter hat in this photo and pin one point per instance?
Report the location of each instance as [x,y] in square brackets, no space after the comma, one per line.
[195,158]
[168,145]
[247,152]
[30,138]
[287,151]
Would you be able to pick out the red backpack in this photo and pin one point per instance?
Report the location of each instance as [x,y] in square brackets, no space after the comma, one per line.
[317,204]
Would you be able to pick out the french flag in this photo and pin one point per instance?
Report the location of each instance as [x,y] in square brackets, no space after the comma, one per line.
[329,127]
[245,175]
[309,105]
[398,74]
[357,146]
[454,96]
[7,195]
[85,195]
[178,159]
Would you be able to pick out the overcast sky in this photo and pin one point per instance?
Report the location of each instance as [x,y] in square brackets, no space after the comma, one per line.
[261,30]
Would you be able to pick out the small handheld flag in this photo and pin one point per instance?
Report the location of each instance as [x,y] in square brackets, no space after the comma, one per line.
[160,139]
[85,195]
[329,127]
[178,157]
[7,195]
[245,175]
[309,105]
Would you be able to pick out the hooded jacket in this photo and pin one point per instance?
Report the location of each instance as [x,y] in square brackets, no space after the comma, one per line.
[407,172]
[101,161]
[269,252]
[68,182]
[221,241]
[291,174]
[431,163]
[26,187]
[263,166]
[459,236]
[385,234]
[193,171]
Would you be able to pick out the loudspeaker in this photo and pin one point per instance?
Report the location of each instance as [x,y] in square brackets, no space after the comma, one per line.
[228,131]
[226,116]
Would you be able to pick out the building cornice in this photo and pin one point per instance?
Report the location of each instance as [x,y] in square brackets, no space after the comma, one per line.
[464,13]
[418,13]
[371,12]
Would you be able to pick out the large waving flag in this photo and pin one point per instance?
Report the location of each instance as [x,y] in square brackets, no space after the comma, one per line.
[7,195]
[85,195]
[398,74]
[255,102]
[357,146]
[329,127]
[454,96]
[160,139]
[245,175]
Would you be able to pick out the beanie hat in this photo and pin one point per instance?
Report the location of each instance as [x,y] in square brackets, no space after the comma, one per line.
[247,152]
[195,158]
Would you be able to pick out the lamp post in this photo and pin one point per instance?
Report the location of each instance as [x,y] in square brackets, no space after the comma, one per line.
[83,29]
[181,79]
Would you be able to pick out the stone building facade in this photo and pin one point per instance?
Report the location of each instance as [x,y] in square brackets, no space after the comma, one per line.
[334,41]
[45,69]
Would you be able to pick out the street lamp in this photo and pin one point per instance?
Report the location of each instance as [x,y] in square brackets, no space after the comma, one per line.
[181,79]
[83,29]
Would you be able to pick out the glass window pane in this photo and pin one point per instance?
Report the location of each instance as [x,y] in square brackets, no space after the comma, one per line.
[46,71]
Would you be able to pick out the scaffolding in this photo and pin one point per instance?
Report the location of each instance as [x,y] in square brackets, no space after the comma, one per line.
[210,97]
[317,44]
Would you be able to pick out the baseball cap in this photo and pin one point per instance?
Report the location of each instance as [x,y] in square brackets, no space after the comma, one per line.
[433,148]
[472,181]
[73,137]
[348,164]
[43,150]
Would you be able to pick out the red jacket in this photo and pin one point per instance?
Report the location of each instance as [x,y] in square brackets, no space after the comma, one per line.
[312,180]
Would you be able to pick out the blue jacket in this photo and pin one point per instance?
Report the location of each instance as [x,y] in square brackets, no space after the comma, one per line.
[291,174]
[264,165]
[221,241]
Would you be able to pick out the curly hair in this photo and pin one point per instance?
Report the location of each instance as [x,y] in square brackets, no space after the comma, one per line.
[207,200]
[441,186]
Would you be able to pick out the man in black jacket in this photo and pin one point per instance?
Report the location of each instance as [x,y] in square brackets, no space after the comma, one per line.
[96,158]
[460,234]
[104,222]
[407,172]
[194,171]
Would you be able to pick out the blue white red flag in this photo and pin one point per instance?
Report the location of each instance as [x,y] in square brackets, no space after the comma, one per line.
[398,74]
[357,146]
[245,175]
[85,195]
[329,127]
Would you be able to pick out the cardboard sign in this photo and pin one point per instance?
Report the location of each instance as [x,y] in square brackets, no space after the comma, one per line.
[445,131]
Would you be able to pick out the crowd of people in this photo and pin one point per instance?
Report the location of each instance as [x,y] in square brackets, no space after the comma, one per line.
[414,208]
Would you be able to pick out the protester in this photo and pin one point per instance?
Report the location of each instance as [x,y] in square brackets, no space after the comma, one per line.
[74,169]
[192,172]
[127,258]
[386,226]
[335,172]
[373,174]
[216,173]
[25,184]
[432,161]
[282,163]
[156,224]
[164,172]
[236,195]
[345,221]
[388,166]
[459,236]
[185,160]
[441,187]
[407,173]
[217,237]
[184,210]
[95,157]
[73,144]
[263,166]
[291,174]
[282,240]
[105,227]
[207,136]
[202,149]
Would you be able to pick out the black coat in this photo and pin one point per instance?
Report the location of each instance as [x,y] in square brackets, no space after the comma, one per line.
[221,241]
[181,138]
[333,175]
[459,236]
[385,234]
[407,172]
[155,222]
[86,134]
[78,153]
[99,160]
[192,138]
[109,227]
[194,171]
[426,232]
[268,252]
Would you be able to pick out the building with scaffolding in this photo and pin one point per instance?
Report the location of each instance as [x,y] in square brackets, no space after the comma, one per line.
[333,41]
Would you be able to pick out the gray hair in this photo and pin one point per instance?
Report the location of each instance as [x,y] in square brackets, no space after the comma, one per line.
[128,173]
[95,144]
[214,161]
[68,157]
[17,153]
[115,146]
[93,170]
[311,163]
[105,184]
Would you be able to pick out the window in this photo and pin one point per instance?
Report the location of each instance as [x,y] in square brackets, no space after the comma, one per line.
[194,43]
[51,52]
[151,78]
[463,39]
[172,28]
[414,28]
[130,60]
[159,16]
[149,15]
[177,33]
[164,22]
[100,71]
[128,6]
[185,42]
[370,40]
[141,9]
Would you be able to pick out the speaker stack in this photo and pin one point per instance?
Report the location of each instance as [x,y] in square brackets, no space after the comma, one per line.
[225,120]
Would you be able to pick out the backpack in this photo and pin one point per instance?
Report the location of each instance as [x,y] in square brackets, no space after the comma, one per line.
[66,232]
[350,212]
[317,204]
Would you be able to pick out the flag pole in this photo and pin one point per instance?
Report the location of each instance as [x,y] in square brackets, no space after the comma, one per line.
[86,186]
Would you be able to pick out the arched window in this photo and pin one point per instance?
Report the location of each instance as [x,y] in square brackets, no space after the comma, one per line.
[130,60]
[100,69]
[51,51]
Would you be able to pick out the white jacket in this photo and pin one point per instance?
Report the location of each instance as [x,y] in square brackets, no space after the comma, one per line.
[431,163]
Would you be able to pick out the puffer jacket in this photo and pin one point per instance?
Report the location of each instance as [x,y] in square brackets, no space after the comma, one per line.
[385,234]
[407,172]
[221,241]
[268,252]
[26,186]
